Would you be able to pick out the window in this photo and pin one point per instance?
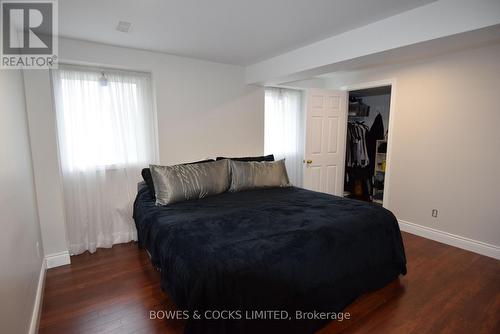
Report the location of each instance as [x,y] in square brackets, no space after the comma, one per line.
[284,132]
[105,118]
[106,134]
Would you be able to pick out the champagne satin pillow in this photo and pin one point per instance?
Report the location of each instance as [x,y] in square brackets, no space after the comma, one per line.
[184,182]
[253,175]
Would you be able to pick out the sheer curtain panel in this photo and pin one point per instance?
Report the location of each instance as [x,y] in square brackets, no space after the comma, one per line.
[107,133]
[284,131]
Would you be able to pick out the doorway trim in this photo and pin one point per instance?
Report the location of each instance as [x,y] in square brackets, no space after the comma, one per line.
[392,112]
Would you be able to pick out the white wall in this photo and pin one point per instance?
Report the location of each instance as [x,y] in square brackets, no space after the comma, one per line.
[204,109]
[446,144]
[48,181]
[20,262]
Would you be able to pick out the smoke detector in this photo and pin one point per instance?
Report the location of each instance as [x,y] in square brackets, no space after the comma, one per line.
[123,26]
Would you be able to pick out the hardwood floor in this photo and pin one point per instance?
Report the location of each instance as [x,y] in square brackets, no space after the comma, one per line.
[446,290]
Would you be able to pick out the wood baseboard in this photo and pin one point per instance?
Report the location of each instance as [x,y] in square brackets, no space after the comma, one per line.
[451,239]
[57,259]
[37,307]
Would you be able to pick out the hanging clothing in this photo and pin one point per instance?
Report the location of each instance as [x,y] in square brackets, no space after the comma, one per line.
[357,152]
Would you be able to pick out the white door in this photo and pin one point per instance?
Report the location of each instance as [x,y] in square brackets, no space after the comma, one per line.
[326,122]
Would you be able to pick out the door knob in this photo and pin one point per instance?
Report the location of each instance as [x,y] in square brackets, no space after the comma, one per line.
[307,161]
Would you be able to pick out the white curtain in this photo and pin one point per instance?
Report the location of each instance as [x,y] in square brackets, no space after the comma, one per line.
[284,131]
[106,131]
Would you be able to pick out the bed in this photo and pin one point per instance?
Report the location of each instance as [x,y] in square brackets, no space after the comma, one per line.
[286,249]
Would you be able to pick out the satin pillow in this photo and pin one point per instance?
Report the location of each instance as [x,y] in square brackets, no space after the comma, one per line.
[184,182]
[146,176]
[254,175]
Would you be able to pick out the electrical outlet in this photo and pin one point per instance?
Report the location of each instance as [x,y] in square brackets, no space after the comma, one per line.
[434,213]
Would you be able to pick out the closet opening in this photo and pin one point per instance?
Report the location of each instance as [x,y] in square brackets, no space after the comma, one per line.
[366,143]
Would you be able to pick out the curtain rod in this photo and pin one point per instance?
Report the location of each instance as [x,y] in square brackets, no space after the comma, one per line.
[287,87]
[101,68]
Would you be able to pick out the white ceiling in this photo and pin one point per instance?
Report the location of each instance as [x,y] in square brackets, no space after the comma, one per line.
[240,32]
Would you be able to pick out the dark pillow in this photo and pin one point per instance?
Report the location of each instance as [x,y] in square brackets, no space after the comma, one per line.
[190,181]
[269,157]
[146,176]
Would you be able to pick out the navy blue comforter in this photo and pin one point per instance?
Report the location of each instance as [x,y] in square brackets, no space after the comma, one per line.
[274,249]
